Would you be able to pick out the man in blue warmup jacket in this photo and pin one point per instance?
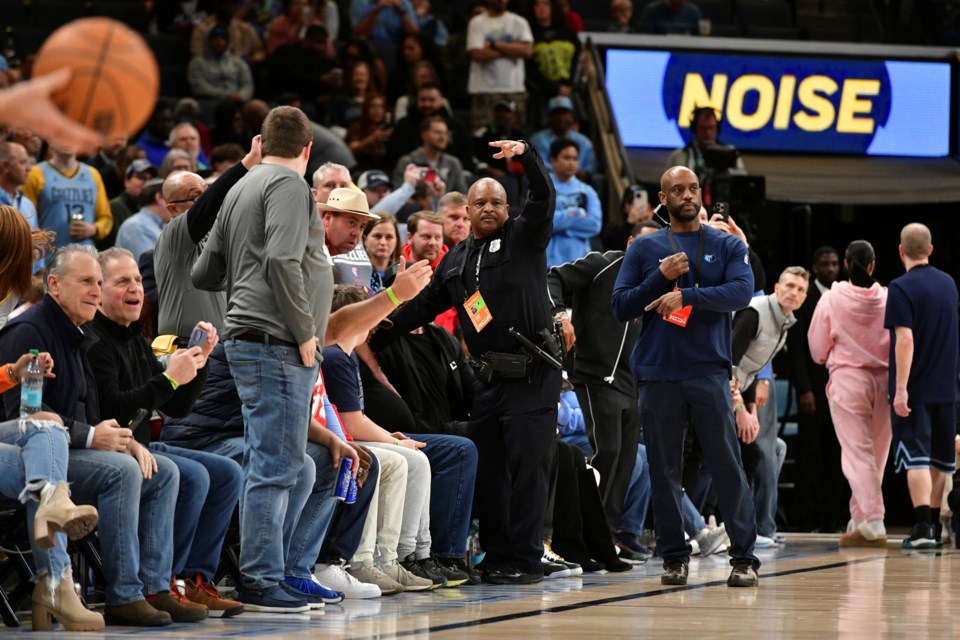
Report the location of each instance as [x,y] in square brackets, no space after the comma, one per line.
[693,277]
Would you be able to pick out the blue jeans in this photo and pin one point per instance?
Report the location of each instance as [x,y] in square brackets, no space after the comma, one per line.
[453,462]
[305,535]
[766,475]
[210,488]
[136,519]
[634,515]
[275,389]
[693,520]
[346,530]
[31,452]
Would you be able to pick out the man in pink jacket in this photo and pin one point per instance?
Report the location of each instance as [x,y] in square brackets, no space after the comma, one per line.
[847,334]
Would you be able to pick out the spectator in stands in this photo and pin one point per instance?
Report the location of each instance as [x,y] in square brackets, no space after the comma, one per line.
[345,214]
[369,135]
[635,208]
[621,17]
[383,22]
[244,41]
[421,74]
[821,484]
[498,41]
[407,132]
[70,198]
[33,143]
[574,19]
[403,200]
[346,107]
[177,160]
[560,124]
[504,126]
[381,242]
[113,179]
[14,169]
[217,73]
[107,467]
[138,233]
[106,158]
[22,246]
[670,17]
[287,27]
[556,54]
[360,50]
[456,219]
[155,137]
[375,185]
[429,24]
[412,50]
[224,157]
[847,334]
[307,67]
[186,137]
[431,155]
[228,126]
[705,126]
[180,17]
[187,109]
[921,314]
[127,203]
[759,332]
[129,378]
[577,217]
[424,239]
[328,177]
[34,456]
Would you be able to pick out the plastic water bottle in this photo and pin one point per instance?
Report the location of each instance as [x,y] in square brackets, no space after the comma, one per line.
[31,386]
[377,554]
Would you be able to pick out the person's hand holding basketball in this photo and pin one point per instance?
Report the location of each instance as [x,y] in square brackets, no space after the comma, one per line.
[28,105]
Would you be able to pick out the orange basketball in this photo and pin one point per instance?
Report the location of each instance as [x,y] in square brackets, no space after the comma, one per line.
[115,78]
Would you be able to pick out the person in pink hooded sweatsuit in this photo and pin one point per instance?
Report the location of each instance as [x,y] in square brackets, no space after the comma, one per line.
[847,334]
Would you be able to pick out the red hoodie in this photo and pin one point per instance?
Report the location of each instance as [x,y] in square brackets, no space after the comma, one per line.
[447,319]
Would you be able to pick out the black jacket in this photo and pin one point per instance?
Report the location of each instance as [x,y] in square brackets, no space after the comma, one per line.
[130,378]
[603,344]
[513,271]
[397,362]
[72,394]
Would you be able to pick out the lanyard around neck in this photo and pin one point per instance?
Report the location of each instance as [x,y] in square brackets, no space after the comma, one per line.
[696,265]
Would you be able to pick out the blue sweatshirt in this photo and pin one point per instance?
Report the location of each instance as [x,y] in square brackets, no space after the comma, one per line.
[576,219]
[664,350]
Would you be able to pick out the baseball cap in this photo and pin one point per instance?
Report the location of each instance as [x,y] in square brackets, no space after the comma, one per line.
[506,104]
[560,102]
[373,178]
[141,165]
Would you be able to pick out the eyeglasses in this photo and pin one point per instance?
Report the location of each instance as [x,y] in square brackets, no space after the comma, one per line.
[184,201]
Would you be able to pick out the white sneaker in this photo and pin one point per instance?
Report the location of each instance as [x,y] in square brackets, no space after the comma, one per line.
[763,542]
[709,540]
[872,530]
[334,576]
[851,526]
[694,545]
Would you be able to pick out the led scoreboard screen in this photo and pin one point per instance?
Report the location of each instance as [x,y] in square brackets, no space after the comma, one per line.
[783,103]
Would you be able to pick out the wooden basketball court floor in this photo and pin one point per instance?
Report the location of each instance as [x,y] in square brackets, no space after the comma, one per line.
[809,588]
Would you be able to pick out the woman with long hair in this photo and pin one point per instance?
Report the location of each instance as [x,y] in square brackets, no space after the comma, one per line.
[381,239]
[847,334]
[368,136]
[20,248]
[346,107]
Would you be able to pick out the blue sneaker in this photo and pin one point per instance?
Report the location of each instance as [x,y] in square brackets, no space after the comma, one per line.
[313,590]
[273,599]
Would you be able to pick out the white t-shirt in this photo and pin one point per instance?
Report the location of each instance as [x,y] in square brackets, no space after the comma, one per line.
[503,75]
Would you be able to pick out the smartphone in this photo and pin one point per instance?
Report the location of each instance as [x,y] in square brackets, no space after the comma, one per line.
[198,338]
[428,174]
[640,198]
[723,208]
[140,426]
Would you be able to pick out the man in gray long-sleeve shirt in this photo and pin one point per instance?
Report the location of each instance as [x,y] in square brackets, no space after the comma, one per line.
[267,249]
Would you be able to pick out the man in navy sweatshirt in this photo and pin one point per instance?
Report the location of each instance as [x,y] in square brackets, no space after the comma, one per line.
[693,277]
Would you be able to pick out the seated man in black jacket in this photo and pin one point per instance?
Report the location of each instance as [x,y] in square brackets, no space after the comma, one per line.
[130,378]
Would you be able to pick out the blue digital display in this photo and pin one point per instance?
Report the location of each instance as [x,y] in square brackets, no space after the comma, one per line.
[783,103]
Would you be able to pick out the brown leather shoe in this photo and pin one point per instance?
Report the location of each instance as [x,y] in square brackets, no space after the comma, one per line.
[743,574]
[674,572]
[202,592]
[138,613]
[856,539]
[179,608]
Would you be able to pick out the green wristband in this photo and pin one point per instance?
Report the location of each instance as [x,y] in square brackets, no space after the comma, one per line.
[393,297]
[173,383]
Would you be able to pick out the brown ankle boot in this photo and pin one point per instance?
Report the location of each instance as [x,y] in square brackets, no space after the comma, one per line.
[58,513]
[179,608]
[60,602]
[138,613]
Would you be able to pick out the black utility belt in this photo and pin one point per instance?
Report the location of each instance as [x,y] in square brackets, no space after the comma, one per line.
[504,365]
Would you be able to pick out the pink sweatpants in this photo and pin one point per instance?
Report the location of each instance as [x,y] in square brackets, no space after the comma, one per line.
[861,416]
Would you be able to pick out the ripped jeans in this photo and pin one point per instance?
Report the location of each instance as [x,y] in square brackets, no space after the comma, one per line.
[32,454]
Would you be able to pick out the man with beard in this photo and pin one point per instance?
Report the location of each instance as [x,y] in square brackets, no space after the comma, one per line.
[682,364]
[406,133]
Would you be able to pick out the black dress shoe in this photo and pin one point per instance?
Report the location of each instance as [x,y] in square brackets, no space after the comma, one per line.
[509,575]
[743,574]
[674,572]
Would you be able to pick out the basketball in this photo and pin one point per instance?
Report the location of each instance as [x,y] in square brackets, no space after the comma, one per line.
[115,78]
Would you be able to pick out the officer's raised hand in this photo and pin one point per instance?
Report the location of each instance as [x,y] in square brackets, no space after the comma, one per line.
[675,266]
[508,148]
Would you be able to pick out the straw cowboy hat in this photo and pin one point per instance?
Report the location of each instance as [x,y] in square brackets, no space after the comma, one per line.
[345,200]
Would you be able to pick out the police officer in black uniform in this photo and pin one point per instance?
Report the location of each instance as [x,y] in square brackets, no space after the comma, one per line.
[496,280]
